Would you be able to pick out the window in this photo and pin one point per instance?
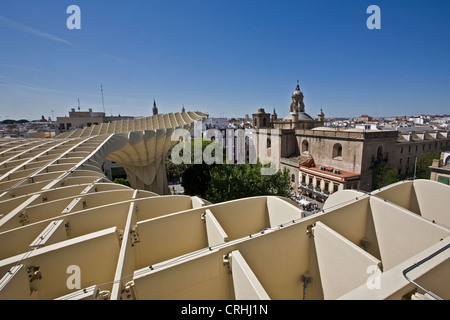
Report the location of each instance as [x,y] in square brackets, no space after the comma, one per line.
[401,150]
[417,148]
[305,146]
[255,122]
[269,143]
[409,149]
[400,163]
[444,180]
[264,122]
[293,177]
[327,186]
[337,151]
[335,188]
[380,153]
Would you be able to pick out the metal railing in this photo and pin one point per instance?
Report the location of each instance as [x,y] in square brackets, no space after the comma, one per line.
[409,269]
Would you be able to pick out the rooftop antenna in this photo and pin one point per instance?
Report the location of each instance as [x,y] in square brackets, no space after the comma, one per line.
[103,100]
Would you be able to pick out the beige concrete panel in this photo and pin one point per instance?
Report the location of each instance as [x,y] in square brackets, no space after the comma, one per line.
[154,207]
[342,197]
[107,186]
[95,254]
[146,194]
[170,236]
[78,224]
[251,213]
[20,193]
[18,240]
[401,234]
[12,219]
[280,258]
[92,220]
[15,287]
[434,279]
[197,202]
[35,213]
[48,176]
[8,184]
[92,200]
[246,284]
[433,199]
[53,233]
[281,211]
[216,234]
[401,193]
[73,181]
[125,262]
[392,285]
[187,280]
[353,221]
[343,265]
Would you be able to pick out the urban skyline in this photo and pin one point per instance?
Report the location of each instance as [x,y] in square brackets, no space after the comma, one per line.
[224,58]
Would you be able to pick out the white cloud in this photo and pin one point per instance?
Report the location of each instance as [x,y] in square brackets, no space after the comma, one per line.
[21,27]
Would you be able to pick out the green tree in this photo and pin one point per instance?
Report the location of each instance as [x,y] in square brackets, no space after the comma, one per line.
[383,175]
[223,182]
[125,182]
[195,178]
[423,165]
[229,182]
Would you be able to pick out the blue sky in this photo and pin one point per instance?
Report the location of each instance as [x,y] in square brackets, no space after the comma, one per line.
[224,57]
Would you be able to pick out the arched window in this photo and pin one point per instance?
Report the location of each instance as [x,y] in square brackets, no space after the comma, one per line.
[447,161]
[337,151]
[380,153]
[269,143]
[255,122]
[305,146]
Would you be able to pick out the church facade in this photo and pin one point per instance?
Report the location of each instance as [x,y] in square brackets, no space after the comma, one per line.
[323,160]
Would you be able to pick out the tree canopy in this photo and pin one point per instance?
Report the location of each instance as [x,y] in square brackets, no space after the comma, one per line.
[223,182]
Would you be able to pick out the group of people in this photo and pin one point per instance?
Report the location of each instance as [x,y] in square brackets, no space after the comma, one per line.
[307,205]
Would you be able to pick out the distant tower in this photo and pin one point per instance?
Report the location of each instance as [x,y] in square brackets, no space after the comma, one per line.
[155,109]
[182,109]
[274,117]
[297,104]
[321,116]
[261,120]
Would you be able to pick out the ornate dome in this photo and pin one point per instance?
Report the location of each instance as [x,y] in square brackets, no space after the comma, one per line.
[297,92]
